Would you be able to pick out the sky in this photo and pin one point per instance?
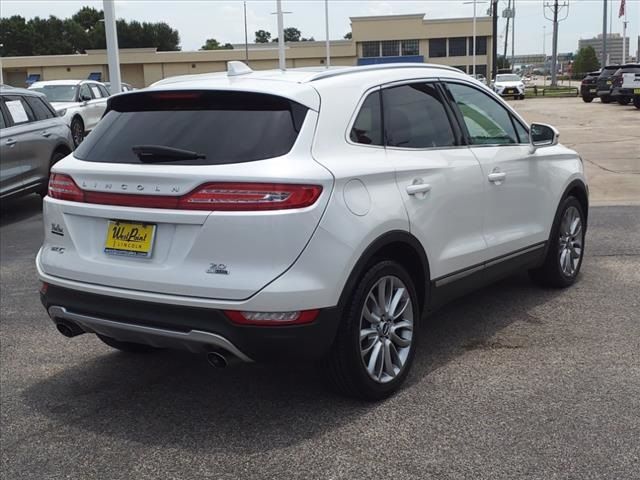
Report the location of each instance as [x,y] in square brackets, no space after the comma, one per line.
[223,19]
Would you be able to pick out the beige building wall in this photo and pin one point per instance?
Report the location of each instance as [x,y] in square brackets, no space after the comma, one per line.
[141,67]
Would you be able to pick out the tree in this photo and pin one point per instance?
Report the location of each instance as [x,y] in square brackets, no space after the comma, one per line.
[348,36]
[262,36]
[291,34]
[585,61]
[83,31]
[213,44]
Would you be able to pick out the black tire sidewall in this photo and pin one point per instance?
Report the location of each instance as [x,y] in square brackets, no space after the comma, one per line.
[554,253]
[74,122]
[369,388]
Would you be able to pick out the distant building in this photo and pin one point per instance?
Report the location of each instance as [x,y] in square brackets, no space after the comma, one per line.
[614,47]
[381,39]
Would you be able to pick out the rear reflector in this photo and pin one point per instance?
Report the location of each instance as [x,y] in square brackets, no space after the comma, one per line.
[222,196]
[272,318]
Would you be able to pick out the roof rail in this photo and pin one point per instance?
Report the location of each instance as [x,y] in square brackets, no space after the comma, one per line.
[383,66]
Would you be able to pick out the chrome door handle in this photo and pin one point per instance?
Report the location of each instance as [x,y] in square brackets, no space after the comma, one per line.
[418,188]
[11,142]
[497,177]
[46,134]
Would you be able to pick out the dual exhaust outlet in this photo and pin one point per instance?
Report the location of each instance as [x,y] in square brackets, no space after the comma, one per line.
[216,359]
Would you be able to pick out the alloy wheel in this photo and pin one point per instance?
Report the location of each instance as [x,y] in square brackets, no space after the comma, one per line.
[386,329]
[571,241]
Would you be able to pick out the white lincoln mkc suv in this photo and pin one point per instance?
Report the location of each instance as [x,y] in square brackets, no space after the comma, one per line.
[303,214]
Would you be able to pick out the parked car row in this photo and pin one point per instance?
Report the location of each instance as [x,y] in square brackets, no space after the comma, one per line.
[609,85]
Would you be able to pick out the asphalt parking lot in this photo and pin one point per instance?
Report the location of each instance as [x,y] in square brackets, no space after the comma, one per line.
[510,382]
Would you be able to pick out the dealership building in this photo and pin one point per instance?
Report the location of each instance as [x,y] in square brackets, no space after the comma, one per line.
[379,39]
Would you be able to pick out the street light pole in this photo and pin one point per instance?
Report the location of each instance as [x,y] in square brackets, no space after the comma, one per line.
[113,56]
[281,60]
[326,21]
[604,34]
[246,35]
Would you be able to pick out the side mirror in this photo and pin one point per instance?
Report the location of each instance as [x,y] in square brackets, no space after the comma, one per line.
[85,98]
[541,135]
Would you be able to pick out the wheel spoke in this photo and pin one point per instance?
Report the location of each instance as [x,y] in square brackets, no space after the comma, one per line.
[388,364]
[398,340]
[397,298]
[404,324]
[382,295]
[375,353]
[367,332]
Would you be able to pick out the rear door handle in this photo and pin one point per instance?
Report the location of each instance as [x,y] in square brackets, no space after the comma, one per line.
[46,134]
[418,188]
[11,142]
[497,177]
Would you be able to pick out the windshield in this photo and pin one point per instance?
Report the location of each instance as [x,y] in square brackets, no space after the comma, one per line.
[58,93]
[508,78]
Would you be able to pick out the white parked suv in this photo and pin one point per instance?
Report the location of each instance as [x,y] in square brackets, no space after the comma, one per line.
[80,103]
[303,214]
[509,85]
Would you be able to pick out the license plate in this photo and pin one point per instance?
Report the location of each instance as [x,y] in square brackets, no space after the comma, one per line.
[129,239]
[510,90]
[592,90]
[608,82]
[636,91]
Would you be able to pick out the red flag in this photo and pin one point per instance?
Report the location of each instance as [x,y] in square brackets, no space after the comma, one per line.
[622,6]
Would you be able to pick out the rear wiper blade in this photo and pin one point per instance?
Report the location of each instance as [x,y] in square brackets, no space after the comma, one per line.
[160,153]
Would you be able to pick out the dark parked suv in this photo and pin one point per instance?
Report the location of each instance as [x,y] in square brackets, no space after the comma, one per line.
[588,87]
[623,95]
[604,83]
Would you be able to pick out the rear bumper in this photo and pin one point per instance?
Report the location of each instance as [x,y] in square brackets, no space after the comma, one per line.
[189,328]
[588,91]
[621,92]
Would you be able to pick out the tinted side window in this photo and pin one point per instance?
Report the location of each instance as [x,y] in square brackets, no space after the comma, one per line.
[19,110]
[84,93]
[367,128]
[523,134]
[3,124]
[103,90]
[488,122]
[39,108]
[415,117]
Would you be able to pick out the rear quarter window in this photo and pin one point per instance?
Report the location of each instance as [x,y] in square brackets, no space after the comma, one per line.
[225,127]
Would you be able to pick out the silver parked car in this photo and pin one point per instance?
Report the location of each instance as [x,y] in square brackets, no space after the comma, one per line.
[32,138]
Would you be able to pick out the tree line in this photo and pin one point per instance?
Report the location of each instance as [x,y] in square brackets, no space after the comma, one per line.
[83,31]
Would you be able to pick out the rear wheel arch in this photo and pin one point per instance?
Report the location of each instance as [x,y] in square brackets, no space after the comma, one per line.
[399,246]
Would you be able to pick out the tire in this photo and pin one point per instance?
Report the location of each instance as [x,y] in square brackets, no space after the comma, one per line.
[521,97]
[127,347]
[396,334]
[636,101]
[624,100]
[606,99]
[77,131]
[55,158]
[566,247]
[587,99]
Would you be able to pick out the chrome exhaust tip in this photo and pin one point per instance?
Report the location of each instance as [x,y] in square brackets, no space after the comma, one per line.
[217,360]
[69,329]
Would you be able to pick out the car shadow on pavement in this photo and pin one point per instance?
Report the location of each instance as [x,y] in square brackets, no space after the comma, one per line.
[17,209]
[177,399]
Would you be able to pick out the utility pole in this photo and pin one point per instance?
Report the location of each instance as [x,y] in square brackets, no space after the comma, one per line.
[513,33]
[604,34]
[507,14]
[494,40]
[112,45]
[246,35]
[281,60]
[326,26]
[555,8]
[624,34]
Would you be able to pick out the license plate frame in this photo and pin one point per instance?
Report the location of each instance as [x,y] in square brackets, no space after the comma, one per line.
[592,90]
[135,245]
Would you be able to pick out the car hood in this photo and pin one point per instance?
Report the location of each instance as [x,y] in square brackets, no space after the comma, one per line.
[62,105]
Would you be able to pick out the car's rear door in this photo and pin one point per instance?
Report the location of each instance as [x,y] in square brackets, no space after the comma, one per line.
[10,169]
[439,179]
[516,199]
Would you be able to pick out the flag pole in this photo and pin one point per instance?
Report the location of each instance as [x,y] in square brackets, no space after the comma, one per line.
[624,32]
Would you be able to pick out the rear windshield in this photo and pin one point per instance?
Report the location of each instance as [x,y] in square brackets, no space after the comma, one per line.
[221,127]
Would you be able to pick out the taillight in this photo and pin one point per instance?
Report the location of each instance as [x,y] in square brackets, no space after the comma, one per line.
[63,187]
[221,196]
[250,196]
[272,318]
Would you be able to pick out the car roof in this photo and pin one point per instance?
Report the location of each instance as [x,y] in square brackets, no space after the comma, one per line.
[43,83]
[302,84]
[9,90]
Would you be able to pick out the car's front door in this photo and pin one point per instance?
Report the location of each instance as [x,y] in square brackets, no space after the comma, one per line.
[440,181]
[515,207]
[96,106]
